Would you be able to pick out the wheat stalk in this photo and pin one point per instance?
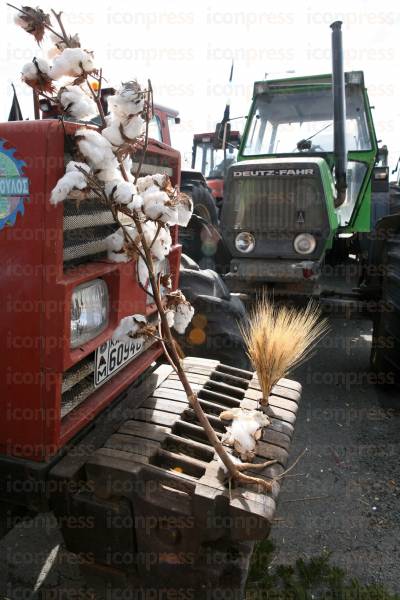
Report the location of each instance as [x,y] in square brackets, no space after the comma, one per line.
[279,339]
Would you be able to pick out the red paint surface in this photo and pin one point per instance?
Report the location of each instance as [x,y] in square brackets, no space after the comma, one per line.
[35,303]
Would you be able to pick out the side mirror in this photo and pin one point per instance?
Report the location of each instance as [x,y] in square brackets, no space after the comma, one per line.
[380,179]
[177,120]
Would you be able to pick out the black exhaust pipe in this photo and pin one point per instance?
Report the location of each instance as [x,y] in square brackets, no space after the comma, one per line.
[339,113]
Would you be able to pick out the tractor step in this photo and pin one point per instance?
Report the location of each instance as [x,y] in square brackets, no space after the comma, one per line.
[158,510]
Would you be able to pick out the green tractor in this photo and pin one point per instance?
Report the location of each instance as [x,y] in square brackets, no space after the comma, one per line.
[310,188]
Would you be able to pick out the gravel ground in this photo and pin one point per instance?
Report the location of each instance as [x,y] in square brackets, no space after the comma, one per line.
[343,496]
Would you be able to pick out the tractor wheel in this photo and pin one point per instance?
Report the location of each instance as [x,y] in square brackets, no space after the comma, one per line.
[385,351]
[198,240]
[214,331]
[203,203]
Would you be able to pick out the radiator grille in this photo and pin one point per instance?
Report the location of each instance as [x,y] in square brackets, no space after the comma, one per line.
[86,226]
[272,204]
[78,381]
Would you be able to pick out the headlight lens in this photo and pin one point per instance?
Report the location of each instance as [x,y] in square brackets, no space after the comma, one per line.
[89,311]
[305,243]
[245,242]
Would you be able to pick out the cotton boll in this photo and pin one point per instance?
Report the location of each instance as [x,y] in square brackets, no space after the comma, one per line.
[127,101]
[160,179]
[111,186]
[124,192]
[129,326]
[183,315]
[131,91]
[30,71]
[244,431]
[136,204]
[133,128]
[71,180]
[115,241]
[96,149]
[113,134]
[184,210]
[154,203]
[142,273]
[162,245]
[72,62]
[170,314]
[143,183]
[74,164]
[77,103]
[112,175]
[127,164]
[170,215]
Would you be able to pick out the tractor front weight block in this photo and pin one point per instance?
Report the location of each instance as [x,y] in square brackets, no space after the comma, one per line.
[156,513]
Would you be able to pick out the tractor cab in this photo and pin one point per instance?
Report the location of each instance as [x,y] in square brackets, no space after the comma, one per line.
[283,205]
[213,161]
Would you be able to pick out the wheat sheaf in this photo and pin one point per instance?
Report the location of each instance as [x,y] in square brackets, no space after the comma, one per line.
[279,338]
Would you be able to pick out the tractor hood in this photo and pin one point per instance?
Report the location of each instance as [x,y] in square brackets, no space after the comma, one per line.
[276,200]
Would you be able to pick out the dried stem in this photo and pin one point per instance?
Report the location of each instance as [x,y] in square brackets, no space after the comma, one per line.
[149,110]
[21,10]
[61,25]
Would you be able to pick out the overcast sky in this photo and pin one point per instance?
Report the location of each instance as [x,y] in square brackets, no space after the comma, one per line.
[186,48]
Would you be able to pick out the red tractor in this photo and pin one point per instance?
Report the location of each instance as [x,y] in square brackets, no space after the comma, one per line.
[99,430]
[213,161]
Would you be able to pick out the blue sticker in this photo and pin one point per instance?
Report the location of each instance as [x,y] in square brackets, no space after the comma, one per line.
[14,186]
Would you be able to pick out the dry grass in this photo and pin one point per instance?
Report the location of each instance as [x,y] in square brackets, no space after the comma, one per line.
[279,338]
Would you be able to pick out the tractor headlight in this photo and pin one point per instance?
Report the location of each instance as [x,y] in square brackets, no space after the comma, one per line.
[305,243]
[89,311]
[245,242]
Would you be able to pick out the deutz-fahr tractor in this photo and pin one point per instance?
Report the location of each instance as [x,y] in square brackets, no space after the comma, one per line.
[309,189]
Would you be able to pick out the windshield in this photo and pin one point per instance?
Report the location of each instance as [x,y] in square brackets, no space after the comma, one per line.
[211,161]
[303,122]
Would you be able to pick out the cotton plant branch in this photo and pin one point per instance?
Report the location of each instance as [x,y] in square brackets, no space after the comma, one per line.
[150,110]
[150,204]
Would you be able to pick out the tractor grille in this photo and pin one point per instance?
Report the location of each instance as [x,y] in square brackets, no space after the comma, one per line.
[78,381]
[77,385]
[86,226]
[263,204]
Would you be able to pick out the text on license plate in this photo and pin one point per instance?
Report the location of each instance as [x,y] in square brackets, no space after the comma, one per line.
[112,355]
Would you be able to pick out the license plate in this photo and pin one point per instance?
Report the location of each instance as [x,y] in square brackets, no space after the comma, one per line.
[112,355]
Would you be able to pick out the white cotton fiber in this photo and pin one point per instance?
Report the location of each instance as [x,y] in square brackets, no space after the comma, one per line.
[96,149]
[183,315]
[72,62]
[129,325]
[71,180]
[74,164]
[78,104]
[30,71]
[143,183]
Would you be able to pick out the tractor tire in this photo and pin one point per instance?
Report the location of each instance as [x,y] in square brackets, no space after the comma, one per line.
[199,241]
[385,350]
[214,331]
[203,203]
